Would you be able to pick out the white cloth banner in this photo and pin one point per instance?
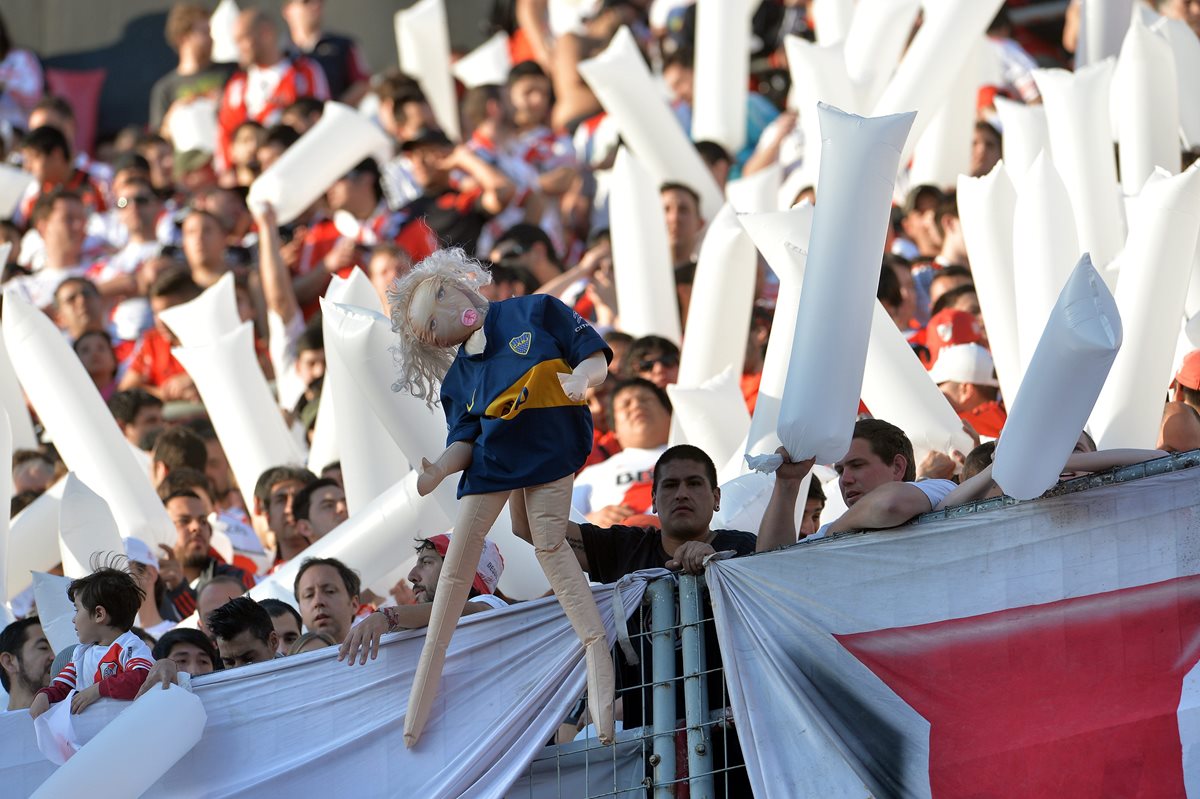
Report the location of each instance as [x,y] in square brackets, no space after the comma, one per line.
[1043,649]
[307,725]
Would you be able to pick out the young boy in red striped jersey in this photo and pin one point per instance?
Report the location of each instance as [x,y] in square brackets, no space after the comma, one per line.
[110,660]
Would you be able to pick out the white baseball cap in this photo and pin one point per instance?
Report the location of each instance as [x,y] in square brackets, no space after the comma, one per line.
[138,551]
[964,363]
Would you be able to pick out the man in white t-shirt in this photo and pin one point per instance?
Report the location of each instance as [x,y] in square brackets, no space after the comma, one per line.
[609,492]
[877,481]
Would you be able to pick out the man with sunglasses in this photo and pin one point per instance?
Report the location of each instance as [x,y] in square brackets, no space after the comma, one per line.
[655,359]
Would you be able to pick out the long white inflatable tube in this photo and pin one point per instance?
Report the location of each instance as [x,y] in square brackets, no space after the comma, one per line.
[240,405]
[642,268]
[211,315]
[423,41]
[371,541]
[80,423]
[1186,47]
[134,750]
[1077,116]
[1102,26]
[875,42]
[221,26]
[1025,136]
[818,76]
[950,30]
[341,139]
[622,83]
[755,193]
[985,210]
[12,402]
[371,461]
[55,611]
[1070,365]
[723,289]
[711,415]
[824,379]
[86,527]
[783,239]
[898,389]
[1146,101]
[832,19]
[487,64]
[1044,248]
[1151,292]
[944,149]
[33,540]
[722,73]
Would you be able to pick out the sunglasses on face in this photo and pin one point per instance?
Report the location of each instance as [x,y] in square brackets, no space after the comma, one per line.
[139,199]
[667,361]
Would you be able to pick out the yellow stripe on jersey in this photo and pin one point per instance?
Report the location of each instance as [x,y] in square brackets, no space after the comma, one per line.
[537,388]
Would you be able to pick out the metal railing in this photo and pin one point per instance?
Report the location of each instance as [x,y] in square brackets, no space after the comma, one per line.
[662,753]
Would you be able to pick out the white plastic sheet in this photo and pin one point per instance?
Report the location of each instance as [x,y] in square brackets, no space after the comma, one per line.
[487,64]
[1077,115]
[371,460]
[85,527]
[1044,249]
[209,316]
[898,389]
[642,268]
[922,80]
[341,139]
[722,72]
[221,24]
[55,612]
[1150,294]
[782,237]
[1065,375]
[240,405]
[949,605]
[33,540]
[1025,136]
[78,420]
[423,40]
[824,379]
[944,149]
[12,402]
[876,39]
[1186,47]
[1145,102]
[158,730]
[711,415]
[622,83]
[985,211]
[511,676]
[723,289]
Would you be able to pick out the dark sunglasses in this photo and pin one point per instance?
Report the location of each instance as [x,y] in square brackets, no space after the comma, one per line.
[667,361]
[140,199]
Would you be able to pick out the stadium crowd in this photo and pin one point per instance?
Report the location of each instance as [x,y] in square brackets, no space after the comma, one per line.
[106,239]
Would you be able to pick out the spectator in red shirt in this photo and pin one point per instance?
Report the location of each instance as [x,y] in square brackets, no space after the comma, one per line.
[46,155]
[152,366]
[966,376]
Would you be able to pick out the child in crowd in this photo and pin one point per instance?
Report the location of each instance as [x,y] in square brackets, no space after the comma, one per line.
[110,660]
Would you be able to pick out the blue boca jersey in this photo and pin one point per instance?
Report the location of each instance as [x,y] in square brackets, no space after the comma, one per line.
[508,401]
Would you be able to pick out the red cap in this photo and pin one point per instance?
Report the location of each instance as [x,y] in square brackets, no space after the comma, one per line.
[1188,375]
[948,327]
[491,563]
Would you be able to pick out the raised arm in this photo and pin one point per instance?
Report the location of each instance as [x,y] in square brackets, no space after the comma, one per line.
[497,188]
[778,526]
[278,291]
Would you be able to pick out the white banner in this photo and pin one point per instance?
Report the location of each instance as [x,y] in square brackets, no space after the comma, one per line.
[1042,649]
[307,725]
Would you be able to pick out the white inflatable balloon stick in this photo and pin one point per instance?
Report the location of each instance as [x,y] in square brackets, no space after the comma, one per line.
[12,402]
[641,254]
[756,193]
[944,149]
[1151,292]
[239,402]
[1186,47]
[985,211]
[783,239]
[1025,136]
[818,76]
[211,315]
[55,611]
[722,73]
[1145,101]
[1102,26]
[340,140]
[876,39]
[832,19]
[1071,363]
[86,527]
[423,41]
[33,540]
[221,25]
[80,423]
[1077,115]
[487,64]
[711,416]
[160,726]
[824,379]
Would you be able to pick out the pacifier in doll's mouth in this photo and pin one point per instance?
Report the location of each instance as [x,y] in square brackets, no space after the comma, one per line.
[469,317]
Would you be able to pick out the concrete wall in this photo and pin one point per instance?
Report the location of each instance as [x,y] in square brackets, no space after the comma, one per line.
[126,38]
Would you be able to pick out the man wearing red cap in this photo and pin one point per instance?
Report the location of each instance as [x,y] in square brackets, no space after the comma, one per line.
[364,638]
[1180,431]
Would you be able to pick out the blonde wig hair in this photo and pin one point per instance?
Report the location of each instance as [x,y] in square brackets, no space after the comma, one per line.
[423,364]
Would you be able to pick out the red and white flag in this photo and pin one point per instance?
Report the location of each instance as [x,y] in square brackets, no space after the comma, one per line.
[1044,649]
